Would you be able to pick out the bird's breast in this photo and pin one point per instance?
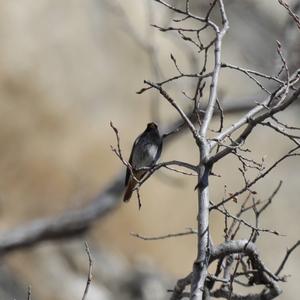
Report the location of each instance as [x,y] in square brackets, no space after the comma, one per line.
[152,150]
[145,156]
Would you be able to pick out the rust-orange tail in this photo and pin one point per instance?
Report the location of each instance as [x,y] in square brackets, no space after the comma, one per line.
[129,190]
[132,184]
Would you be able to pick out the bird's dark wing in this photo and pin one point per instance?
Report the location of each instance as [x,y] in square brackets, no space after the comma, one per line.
[130,160]
[128,171]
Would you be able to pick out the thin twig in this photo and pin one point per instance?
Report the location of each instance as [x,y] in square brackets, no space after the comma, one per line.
[29,293]
[288,253]
[291,13]
[180,76]
[166,236]
[269,201]
[248,72]
[138,197]
[173,103]
[232,279]
[90,275]
[263,174]
[239,220]
[118,152]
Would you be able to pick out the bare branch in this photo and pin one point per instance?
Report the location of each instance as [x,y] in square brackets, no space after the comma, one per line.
[29,293]
[263,274]
[220,108]
[291,13]
[226,213]
[283,132]
[250,116]
[252,122]
[180,286]
[166,236]
[118,151]
[270,199]
[285,125]
[262,175]
[138,197]
[288,253]
[181,75]
[89,279]
[201,263]
[214,81]
[67,225]
[180,172]
[173,103]
[186,14]
[249,72]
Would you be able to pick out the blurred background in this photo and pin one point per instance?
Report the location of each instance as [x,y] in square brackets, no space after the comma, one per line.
[68,68]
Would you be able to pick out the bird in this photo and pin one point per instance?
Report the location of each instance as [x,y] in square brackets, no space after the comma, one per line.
[145,152]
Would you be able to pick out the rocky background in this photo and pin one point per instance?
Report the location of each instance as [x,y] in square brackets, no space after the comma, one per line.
[69,67]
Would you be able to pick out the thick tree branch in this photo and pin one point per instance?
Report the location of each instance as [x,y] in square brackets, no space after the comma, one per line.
[203,248]
[252,122]
[67,225]
[264,275]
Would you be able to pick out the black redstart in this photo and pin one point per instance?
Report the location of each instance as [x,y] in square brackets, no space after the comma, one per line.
[145,152]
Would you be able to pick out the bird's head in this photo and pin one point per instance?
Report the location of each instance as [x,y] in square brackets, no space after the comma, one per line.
[152,126]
